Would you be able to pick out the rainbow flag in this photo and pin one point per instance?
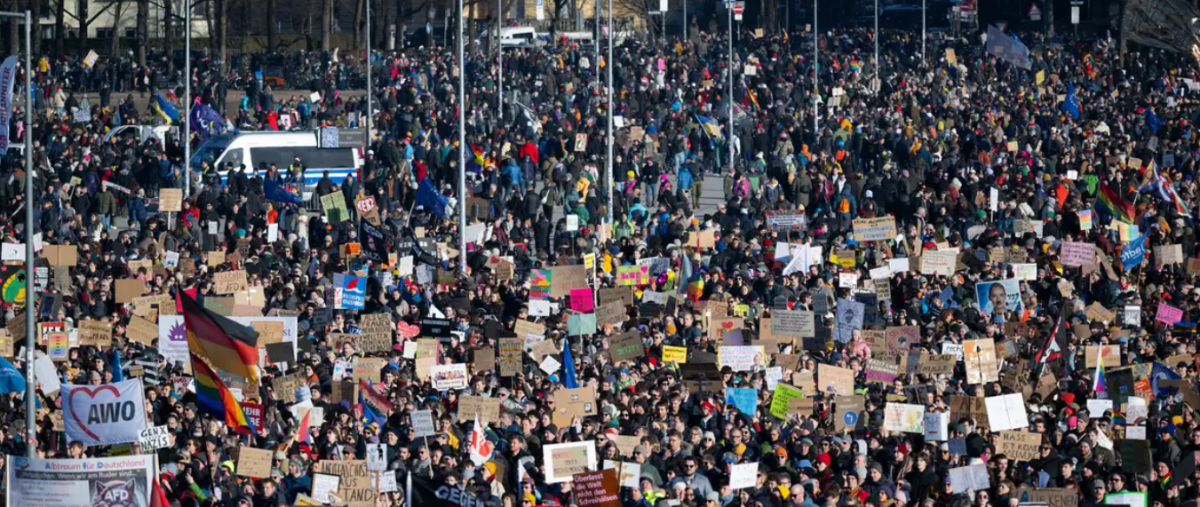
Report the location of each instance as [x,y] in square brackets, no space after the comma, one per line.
[229,346]
[214,398]
[855,65]
[1112,203]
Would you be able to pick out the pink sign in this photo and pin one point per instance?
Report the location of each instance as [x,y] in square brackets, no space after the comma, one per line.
[582,300]
[1168,314]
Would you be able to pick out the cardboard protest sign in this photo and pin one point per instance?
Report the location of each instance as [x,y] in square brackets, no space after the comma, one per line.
[1019,445]
[1111,353]
[979,356]
[254,463]
[835,380]
[229,282]
[487,409]
[874,229]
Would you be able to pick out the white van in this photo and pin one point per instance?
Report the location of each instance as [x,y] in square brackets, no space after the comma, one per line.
[256,149]
[518,36]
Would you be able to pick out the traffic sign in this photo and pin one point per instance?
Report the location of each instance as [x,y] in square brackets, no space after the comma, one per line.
[1035,14]
[738,9]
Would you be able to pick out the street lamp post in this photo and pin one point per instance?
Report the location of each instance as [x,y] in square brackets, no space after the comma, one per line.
[462,145]
[187,97]
[729,141]
[370,87]
[609,66]
[30,315]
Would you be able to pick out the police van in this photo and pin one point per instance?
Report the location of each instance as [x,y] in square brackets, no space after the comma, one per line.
[258,150]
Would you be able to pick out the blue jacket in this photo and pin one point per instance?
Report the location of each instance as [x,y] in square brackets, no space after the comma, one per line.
[513,173]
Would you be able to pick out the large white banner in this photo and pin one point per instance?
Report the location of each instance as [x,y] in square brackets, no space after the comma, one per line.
[8,74]
[104,414]
[124,481]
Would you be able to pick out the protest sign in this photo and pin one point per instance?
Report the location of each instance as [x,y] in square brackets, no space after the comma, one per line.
[979,356]
[904,417]
[154,438]
[743,475]
[793,323]
[565,460]
[835,380]
[87,481]
[781,399]
[254,462]
[487,409]
[1019,445]
[597,489]
[104,414]
[741,357]
[874,229]
[1078,253]
[1006,412]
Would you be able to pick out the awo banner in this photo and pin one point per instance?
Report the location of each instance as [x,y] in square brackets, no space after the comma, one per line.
[104,414]
[111,482]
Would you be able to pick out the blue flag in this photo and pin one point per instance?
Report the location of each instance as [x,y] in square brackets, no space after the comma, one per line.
[1071,104]
[206,120]
[277,193]
[118,372]
[1133,253]
[570,379]
[1163,372]
[11,380]
[429,197]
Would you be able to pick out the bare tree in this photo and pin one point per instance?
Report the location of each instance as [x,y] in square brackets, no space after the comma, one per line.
[272,23]
[143,29]
[169,32]
[326,23]
[118,10]
[59,25]
[36,13]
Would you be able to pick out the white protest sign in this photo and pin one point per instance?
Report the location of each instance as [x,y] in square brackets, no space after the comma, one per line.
[154,438]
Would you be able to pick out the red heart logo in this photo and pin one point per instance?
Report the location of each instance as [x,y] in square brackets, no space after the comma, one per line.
[727,324]
[92,394]
[408,330]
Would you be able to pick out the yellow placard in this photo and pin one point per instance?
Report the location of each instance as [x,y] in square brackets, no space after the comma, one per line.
[676,355]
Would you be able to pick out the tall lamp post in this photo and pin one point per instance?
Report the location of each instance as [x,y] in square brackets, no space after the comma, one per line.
[30,315]
[187,97]
[462,145]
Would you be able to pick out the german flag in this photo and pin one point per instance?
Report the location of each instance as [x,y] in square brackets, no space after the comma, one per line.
[216,399]
[229,346]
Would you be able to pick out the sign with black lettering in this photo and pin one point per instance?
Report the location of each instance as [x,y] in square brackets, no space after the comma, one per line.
[104,414]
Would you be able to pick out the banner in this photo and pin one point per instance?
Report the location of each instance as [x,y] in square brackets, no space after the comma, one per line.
[8,74]
[427,493]
[116,482]
[104,414]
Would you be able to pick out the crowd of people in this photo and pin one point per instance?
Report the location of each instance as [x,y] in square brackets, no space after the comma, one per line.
[944,278]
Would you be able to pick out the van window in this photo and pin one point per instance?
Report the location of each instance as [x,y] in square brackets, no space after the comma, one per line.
[313,158]
[232,157]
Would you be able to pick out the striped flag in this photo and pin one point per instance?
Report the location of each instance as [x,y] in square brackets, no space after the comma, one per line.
[229,346]
[217,400]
